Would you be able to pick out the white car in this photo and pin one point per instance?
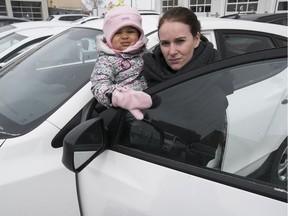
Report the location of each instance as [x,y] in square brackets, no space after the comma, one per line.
[86,19]
[5,20]
[24,36]
[46,94]
[29,25]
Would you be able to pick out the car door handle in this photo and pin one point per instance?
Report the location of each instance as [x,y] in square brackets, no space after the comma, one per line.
[285,101]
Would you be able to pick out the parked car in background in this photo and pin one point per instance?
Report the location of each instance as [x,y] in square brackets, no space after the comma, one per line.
[274,18]
[25,36]
[5,20]
[66,17]
[45,94]
[148,12]
[4,30]
[86,19]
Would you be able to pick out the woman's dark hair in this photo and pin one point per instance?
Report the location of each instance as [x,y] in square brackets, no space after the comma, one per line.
[182,15]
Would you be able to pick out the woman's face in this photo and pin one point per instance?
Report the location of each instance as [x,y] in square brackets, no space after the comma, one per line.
[125,37]
[177,43]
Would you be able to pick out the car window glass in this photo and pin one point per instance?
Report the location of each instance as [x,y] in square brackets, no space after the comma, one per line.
[50,18]
[282,41]
[4,23]
[70,18]
[208,35]
[232,120]
[6,28]
[10,40]
[153,40]
[33,88]
[21,50]
[280,21]
[241,43]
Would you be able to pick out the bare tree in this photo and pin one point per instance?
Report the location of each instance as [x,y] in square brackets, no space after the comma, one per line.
[89,5]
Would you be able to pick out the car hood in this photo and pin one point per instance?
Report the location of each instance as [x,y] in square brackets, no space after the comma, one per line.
[25,144]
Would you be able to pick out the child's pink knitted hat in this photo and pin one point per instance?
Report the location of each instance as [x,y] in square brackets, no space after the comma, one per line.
[120,17]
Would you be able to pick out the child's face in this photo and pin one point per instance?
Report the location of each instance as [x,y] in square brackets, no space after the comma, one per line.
[125,37]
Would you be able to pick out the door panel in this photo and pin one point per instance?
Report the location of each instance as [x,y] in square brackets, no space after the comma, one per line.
[116,184]
[161,165]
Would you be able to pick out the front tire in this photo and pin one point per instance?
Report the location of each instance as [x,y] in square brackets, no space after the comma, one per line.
[279,165]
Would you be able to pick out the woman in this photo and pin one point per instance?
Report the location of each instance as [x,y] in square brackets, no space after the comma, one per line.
[180,51]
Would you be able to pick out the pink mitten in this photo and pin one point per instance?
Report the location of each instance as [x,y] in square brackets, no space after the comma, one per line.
[131,100]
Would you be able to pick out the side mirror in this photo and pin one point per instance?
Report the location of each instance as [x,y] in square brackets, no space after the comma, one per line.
[83,143]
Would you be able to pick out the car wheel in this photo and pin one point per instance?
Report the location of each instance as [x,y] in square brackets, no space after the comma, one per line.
[279,165]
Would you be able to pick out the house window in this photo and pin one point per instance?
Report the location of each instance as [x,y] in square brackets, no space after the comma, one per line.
[3,11]
[282,6]
[28,10]
[168,4]
[242,6]
[200,6]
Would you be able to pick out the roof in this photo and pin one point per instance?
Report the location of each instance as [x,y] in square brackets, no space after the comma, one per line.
[31,25]
[150,23]
[276,18]
[16,19]
[219,23]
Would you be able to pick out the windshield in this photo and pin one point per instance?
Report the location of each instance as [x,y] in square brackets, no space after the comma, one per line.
[33,88]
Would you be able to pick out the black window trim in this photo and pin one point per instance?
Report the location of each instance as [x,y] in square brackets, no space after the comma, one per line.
[37,40]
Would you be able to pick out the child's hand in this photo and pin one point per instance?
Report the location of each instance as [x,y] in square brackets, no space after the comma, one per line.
[131,100]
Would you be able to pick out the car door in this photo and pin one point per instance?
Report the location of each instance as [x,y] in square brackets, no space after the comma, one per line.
[232,113]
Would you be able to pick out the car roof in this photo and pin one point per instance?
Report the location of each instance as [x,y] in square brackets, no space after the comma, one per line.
[8,29]
[16,19]
[59,17]
[86,19]
[150,23]
[255,16]
[261,17]
[65,15]
[40,31]
[209,23]
[38,24]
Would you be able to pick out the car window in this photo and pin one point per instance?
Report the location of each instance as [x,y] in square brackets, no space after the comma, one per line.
[241,42]
[21,49]
[233,121]
[6,28]
[9,40]
[70,18]
[50,18]
[280,22]
[32,89]
[282,42]
[153,40]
